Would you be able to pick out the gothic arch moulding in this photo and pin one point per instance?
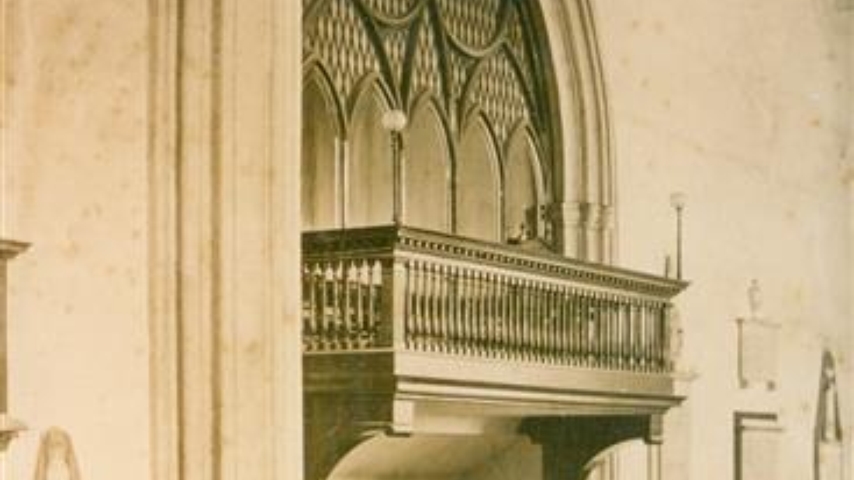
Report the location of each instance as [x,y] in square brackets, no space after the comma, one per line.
[510,63]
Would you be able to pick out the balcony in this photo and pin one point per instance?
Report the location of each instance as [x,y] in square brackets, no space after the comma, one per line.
[410,310]
[406,329]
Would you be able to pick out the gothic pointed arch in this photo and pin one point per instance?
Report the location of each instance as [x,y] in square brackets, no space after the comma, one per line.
[512,62]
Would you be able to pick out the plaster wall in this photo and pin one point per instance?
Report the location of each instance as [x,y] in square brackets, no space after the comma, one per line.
[75,185]
[746,109]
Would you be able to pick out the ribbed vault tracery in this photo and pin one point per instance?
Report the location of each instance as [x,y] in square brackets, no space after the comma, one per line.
[520,69]
[465,54]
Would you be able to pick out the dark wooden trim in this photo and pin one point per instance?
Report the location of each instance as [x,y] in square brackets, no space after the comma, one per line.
[401,240]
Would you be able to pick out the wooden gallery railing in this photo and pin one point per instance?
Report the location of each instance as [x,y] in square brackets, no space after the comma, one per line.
[408,289]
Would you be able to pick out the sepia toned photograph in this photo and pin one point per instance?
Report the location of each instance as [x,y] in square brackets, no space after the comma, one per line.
[426,240]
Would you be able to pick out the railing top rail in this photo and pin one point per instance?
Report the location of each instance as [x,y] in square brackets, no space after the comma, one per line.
[391,240]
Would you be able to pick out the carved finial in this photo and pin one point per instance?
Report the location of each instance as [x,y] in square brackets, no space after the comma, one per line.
[754,298]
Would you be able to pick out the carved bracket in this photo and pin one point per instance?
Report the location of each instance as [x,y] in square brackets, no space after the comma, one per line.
[336,424]
[570,443]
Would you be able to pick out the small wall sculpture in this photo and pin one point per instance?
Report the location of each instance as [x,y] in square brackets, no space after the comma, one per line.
[828,428]
[757,344]
[56,459]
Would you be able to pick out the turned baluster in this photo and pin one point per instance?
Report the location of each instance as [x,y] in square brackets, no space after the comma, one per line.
[480,314]
[498,317]
[374,273]
[465,310]
[647,336]
[309,332]
[359,303]
[626,337]
[474,307]
[442,328]
[488,321]
[548,323]
[536,320]
[429,312]
[454,320]
[514,326]
[607,331]
[558,348]
[344,305]
[417,333]
[614,314]
[561,297]
[663,336]
[596,323]
[570,302]
[637,335]
[656,336]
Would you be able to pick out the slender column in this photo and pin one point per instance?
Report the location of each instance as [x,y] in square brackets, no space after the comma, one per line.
[653,461]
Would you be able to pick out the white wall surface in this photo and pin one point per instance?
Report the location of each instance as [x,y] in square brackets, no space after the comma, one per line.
[74,150]
[745,107]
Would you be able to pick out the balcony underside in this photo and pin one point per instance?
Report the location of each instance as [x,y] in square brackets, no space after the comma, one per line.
[418,381]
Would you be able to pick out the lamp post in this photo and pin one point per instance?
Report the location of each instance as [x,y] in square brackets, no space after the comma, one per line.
[395,121]
[677,201]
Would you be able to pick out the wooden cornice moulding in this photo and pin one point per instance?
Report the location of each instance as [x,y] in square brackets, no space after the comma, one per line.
[10,249]
[400,240]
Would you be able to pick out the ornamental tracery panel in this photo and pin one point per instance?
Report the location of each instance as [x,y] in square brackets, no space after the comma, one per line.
[472,60]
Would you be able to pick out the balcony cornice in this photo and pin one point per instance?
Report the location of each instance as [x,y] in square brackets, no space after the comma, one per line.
[401,240]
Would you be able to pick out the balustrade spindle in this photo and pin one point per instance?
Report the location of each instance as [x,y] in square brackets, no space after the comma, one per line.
[465,311]
[596,313]
[539,321]
[624,332]
[620,321]
[666,360]
[310,318]
[438,308]
[616,351]
[374,287]
[499,297]
[346,313]
[572,326]
[486,313]
[607,332]
[359,303]
[554,326]
[441,309]
[648,336]
[429,306]
[514,324]
[667,327]
[456,302]
[415,307]
[480,313]
[656,336]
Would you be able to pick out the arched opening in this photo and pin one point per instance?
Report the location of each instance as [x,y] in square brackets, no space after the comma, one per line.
[477,192]
[427,172]
[369,167]
[523,195]
[627,460]
[440,456]
[319,164]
